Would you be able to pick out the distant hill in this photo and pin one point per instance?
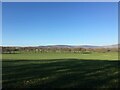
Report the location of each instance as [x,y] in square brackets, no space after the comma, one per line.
[80,46]
[89,46]
[69,46]
[56,46]
[108,46]
[112,46]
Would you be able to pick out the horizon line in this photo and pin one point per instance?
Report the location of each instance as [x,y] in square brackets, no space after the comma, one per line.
[55,45]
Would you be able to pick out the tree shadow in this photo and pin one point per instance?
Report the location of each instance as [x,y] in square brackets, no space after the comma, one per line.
[60,73]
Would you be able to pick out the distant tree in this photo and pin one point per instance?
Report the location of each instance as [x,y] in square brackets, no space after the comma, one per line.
[108,50]
[9,50]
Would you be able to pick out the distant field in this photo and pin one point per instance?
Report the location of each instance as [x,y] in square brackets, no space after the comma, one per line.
[38,56]
[60,70]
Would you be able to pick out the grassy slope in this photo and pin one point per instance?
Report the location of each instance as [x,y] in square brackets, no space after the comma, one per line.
[30,70]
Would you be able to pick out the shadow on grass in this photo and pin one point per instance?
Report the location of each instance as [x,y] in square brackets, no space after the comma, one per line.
[60,73]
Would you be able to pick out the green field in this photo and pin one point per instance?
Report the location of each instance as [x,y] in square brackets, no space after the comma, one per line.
[60,70]
[41,56]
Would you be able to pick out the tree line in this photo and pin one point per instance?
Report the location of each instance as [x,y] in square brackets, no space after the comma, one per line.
[11,50]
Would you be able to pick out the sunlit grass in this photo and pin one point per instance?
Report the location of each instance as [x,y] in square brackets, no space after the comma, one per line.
[38,56]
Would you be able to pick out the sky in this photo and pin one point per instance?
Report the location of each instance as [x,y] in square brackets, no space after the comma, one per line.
[62,23]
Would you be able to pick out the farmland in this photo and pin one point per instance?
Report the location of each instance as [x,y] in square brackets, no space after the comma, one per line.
[60,44]
[60,70]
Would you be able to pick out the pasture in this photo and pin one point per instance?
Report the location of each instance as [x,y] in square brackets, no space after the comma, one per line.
[60,70]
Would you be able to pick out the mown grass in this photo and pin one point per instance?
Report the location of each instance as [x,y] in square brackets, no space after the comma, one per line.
[38,56]
[69,72]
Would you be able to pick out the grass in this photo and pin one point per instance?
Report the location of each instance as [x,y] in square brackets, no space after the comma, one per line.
[65,70]
[38,56]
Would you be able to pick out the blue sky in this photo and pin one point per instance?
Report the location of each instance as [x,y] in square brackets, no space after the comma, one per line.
[34,24]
